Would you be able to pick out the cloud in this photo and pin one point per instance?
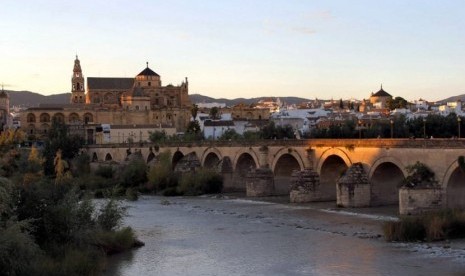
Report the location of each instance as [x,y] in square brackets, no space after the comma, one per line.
[304,30]
[320,15]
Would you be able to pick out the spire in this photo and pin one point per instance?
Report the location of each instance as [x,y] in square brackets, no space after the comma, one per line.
[147,64]
[77,65]
[381,87]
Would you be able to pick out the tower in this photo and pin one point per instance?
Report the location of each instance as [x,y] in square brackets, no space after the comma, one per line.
[77,81]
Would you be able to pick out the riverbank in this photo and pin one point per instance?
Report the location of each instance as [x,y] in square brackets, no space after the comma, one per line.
[232,235]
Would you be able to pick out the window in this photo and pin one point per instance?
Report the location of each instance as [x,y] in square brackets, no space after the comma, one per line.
[149,83]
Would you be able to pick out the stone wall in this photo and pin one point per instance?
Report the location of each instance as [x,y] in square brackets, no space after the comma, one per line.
[417,201]
[260,182]
[353,188]
[305,186]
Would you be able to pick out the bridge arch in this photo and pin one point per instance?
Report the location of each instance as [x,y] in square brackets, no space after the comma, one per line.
[287,153]
[177,156]
[211,160]
[283,167]
[453,184]
[150,157]
[94,157]
[333,152]
[240,155]
[210,155]
[331,166]
[385,176]
[108,157]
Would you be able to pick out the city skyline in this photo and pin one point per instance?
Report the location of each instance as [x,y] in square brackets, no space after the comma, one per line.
[323,49]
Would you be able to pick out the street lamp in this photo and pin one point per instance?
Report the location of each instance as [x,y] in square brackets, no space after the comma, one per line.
[424,128]
[458,123]
[392,128]
[359,129]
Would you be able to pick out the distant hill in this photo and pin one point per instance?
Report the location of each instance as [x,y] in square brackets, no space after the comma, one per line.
[454,98]
[32,99]
[197,98]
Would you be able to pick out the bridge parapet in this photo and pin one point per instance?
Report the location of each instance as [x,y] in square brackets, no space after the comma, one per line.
[311,143]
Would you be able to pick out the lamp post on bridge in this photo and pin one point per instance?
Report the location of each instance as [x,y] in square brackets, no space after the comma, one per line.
[459,120]
[359,129]
[392,128]
[424,128]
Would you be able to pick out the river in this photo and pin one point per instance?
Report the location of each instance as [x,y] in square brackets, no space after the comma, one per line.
[236,236]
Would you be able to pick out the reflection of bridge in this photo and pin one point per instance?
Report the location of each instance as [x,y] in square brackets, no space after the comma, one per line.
[384,161]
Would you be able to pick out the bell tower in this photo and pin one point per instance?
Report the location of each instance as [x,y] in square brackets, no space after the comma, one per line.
[77,81]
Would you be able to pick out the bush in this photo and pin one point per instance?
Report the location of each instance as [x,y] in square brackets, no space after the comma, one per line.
[433,226]
[110,215]
[161,175]
[133,174]
[18,252]
[104,171]
[116,241]
[203,181]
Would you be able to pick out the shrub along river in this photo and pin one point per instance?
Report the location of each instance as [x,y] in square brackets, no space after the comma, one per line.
[234,236]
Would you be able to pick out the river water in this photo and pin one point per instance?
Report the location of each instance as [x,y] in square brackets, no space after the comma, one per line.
[234,236]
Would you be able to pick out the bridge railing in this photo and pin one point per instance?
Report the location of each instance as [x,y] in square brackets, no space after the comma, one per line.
[310,143]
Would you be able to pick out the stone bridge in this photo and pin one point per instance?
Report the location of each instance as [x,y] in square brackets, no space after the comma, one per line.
[383,160]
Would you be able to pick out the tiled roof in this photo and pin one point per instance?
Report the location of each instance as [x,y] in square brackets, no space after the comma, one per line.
[381,93]
[148,72]
[110,83]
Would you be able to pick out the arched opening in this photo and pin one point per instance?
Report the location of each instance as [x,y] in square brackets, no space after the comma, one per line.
[31,118]
[177,156]
[88,118]
[331,170]
[59,118]
[244,164]
[456,189]
[283,169]
[73,118]
[211,160]
[150,157]
[44,118]
[94,157]
[108,157]
[44,128]
[385,183]
[189,162]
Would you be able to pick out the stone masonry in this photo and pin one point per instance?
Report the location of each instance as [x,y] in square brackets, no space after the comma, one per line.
[259,182]
[353,188]
[305,186]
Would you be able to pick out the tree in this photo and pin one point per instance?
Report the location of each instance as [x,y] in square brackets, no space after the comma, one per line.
[214,112]
[341,104]
[60,139]
[397,102]
[194,111]
[157,136]
[193,127]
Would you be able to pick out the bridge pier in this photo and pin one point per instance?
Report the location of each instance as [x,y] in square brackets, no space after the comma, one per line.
[305,186]
[353,188]
[260,182]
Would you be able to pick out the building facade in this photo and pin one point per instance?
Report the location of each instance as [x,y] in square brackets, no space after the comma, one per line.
[141,100]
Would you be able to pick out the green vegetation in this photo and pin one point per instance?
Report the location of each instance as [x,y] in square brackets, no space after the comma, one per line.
[436,126]
[419,176]
[446,224]
[162,179]
[48,226]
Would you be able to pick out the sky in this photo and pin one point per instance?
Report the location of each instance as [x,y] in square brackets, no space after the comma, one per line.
[311,49]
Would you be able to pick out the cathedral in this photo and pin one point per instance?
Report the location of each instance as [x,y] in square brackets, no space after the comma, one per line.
[128,108]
